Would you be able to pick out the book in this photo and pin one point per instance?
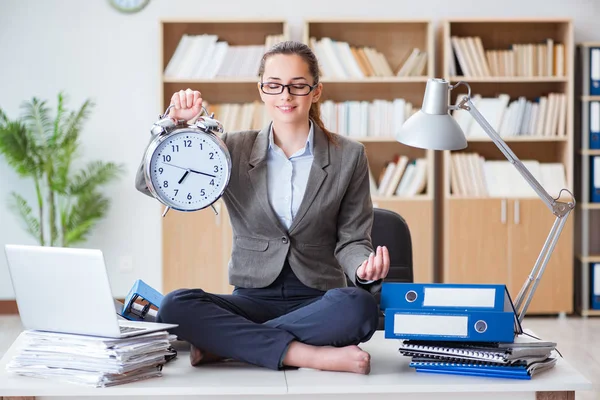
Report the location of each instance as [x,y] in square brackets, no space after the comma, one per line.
[474,353]
[518,370]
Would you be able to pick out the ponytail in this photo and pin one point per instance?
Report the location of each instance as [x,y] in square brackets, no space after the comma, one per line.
[315,115]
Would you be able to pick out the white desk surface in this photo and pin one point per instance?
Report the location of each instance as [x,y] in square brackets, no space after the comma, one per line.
[390,374]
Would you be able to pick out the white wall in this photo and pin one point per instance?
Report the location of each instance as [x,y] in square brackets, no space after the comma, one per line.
[89,50]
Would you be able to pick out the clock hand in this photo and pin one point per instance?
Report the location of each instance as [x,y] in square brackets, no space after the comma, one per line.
[176,166]
[184,175]
[201,173]
[191,170]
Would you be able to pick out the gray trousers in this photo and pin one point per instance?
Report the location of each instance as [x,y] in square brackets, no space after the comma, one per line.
[257,325]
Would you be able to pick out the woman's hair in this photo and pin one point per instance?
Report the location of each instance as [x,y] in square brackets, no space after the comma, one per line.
[291,47]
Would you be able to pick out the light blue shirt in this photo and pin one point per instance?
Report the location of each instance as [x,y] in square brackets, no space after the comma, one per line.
[287,177]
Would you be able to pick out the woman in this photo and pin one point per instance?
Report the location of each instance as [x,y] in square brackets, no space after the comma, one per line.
[301,214]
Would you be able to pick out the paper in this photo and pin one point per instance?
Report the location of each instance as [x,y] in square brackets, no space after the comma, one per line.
[91,360]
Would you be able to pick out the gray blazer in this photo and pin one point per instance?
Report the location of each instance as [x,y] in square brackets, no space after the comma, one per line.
[331,234]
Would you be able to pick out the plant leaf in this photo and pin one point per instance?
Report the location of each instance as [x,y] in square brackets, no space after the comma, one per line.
[95,173]
[32,224]
[68,128]
[85,212]
[16,146]
[58,120]
[37,119]
[71,125]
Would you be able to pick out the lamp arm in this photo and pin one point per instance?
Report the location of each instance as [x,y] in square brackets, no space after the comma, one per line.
[560,209]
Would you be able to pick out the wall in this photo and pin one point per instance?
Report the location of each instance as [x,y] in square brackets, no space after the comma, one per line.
[89,50]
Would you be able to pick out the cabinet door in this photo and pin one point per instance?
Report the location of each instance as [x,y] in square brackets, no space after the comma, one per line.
[528,230]
[193,250]
[476,241]
[418,215]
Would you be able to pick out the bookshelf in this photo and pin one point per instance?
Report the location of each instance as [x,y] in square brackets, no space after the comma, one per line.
[196,246]
[383,64]
[587,118]
[494,226]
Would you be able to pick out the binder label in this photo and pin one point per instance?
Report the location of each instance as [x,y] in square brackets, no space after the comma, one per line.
[459,297]
[596,288]
[596,172]
[447,325]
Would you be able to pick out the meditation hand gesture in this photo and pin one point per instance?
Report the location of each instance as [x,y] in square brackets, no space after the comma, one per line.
[376,266]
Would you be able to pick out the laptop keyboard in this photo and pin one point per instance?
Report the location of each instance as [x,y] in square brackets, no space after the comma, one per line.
[127,329]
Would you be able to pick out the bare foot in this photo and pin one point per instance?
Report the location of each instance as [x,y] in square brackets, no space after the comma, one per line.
[345,359]
[198,356]
[327,358]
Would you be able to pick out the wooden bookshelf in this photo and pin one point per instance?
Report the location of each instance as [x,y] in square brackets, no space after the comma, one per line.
[395,40]
[196,246]
[497,238]
[587,232]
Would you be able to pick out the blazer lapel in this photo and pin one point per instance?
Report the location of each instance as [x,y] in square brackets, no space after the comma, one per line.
[258,174]
[316,176]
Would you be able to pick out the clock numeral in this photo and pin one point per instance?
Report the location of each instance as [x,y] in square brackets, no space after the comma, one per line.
[160,170]
[212,182]
[176,191]
[216,168]
[201,148]
[166,157]
[189,196]
[166,183]
[202,192]
[175,148]
[211,155]
[187,143]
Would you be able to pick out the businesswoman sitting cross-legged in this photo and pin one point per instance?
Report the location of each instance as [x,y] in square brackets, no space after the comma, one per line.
[301,215]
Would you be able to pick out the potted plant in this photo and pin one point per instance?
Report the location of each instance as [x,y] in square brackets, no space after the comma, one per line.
[68,203]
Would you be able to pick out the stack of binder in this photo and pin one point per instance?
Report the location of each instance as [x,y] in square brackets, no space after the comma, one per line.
[91,360]
[462,329]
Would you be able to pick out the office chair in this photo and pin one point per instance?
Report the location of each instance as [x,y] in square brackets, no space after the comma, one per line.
[391,230]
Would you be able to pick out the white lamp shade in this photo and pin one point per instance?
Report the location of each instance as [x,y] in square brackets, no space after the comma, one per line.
[432,127]
[431,131]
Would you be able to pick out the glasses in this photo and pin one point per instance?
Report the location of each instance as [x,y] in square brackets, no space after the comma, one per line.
[296,89]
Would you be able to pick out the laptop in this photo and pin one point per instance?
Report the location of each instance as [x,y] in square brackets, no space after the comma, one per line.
[67,290]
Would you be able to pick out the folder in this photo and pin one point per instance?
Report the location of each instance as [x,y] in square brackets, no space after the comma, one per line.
[139,300]
[522,370]
[594,125]
[595,286]
[450,325]
[444,296]
[595,180]
[594,71]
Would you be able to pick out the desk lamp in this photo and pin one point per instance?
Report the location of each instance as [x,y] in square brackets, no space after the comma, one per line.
[434,128]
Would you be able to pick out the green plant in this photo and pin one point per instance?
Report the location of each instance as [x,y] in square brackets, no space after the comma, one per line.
[68,203]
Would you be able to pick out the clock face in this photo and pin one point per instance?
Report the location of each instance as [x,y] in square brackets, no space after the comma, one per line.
[189,171]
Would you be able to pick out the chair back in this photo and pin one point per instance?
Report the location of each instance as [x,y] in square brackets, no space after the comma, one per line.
[391,230]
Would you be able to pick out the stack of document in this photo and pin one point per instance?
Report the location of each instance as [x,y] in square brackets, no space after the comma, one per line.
[522,359]
[462,329]
[91,360]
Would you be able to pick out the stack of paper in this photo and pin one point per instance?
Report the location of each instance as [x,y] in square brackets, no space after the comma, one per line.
[522,359]
[91,360]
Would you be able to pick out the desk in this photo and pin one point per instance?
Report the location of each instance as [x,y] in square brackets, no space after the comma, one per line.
[390,378]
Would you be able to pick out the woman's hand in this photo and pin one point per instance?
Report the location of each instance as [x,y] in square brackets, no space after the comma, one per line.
[376,266]
[188,104]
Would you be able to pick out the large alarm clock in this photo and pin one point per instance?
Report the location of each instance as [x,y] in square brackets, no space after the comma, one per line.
[187,165]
